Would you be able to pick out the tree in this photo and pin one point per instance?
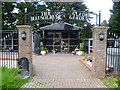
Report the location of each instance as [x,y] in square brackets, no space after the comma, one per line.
[35,6]
[68,7]
[8,17]
[31,7]
[78,6]
[73,6]
[104,23]
[114,22]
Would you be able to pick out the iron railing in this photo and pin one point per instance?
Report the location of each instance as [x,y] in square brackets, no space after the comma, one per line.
[113,54]
[9,48]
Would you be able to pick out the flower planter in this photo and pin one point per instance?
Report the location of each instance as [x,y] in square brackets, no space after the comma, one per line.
[54,52]
[43,52]
[79,53]
[73,53]
[87,64]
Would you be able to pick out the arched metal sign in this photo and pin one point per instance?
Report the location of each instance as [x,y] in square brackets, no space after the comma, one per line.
[48,17]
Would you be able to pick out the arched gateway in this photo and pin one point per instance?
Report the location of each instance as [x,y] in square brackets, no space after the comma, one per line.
[56,30]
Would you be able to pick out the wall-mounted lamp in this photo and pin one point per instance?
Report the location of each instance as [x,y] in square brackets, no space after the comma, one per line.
[101,36]
[23,35]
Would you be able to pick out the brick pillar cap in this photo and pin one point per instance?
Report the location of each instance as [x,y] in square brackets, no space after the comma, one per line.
[24,26]
[100,27]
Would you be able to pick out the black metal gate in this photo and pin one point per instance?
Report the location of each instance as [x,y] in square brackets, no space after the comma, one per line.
[9,48]
[36,41]
[113,54]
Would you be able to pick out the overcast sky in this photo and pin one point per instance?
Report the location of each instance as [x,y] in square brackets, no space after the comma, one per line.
[100,5]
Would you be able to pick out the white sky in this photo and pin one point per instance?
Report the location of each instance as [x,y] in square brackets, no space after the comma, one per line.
[100,5]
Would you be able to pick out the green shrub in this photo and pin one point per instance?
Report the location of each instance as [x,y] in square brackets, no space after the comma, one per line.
[112,82]
[81,46]
[11,78]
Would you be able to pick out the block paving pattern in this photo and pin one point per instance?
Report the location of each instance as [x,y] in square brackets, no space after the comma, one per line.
[62,71]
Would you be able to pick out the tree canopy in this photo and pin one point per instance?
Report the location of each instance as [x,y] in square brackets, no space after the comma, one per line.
[114,21]
[8,17]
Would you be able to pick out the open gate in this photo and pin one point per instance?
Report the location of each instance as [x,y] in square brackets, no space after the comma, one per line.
[9,48]
[113,53]
[36,41]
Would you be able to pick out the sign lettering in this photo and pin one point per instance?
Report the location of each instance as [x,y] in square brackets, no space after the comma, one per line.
[58,15]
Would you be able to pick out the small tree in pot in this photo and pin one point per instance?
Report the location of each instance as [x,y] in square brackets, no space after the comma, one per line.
[42,50]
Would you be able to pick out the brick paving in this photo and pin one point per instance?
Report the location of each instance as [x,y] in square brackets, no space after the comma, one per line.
[60,71]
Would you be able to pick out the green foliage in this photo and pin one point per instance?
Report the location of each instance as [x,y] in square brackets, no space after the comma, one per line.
[85,57]
[87,32]
[82,46]
[11,78]
[68,7]
[104,23]
[42,47]
[88,57]
[21,6]
[112,82]
[8,17]
[114,22]
[79,6]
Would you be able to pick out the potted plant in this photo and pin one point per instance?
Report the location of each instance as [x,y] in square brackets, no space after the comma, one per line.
[78,51]
[42,50]
[46,50]
[73,53]
[66,50]
[81,50]
[54,51]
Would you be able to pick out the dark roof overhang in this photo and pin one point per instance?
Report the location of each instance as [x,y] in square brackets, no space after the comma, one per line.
[61,26]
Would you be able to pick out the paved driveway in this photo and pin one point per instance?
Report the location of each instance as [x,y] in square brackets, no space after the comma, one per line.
[60,71]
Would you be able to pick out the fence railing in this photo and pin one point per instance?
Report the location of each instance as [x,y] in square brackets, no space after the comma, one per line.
[113,54]
[9,48]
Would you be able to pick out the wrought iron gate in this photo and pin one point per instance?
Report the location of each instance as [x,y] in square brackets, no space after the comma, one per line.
[113,54]
[9,48]
[36,41]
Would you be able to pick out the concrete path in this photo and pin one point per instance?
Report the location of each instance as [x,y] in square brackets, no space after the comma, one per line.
[60,71]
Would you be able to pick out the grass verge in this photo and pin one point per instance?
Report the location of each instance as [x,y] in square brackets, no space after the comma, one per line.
[11,78]
[112,81]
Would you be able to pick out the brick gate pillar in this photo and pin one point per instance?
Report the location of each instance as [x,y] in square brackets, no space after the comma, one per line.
[25,46]
[99,51]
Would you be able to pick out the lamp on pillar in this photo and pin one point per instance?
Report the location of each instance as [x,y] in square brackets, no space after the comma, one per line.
[23,35]
[101,36]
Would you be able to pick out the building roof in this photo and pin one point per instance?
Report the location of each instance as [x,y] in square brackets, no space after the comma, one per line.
[61,26]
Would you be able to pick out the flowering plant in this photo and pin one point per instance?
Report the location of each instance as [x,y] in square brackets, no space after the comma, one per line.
[10,49]
[66,50]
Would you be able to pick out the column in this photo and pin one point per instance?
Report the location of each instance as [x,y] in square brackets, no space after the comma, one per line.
[99,51]
[25,46]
